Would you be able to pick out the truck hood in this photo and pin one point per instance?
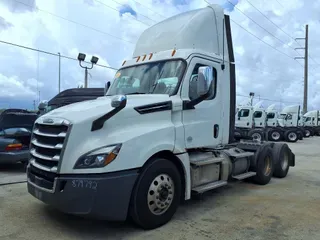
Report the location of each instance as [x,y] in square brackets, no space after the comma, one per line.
[78,112]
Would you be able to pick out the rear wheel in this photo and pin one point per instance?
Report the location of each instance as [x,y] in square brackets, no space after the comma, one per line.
[281,154]
[156,195]
[291,136]
[274,135]
[256,135]
[264,166]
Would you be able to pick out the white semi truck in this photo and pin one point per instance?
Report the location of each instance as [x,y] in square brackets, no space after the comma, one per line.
[259,124]
[312,122]
[147,145]
[251,122]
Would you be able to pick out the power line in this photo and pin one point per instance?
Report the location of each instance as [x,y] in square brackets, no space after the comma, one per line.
[259,24]
[265,16]
[150,9]
[261,39]
[271,100]
[74,22]
[294,38]
[50,53]
[139,13]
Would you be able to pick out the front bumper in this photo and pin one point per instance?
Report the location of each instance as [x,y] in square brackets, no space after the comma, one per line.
[100,196]
[14,156]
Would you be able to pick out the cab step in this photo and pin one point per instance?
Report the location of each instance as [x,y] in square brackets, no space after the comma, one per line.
[209,186]
[244,175]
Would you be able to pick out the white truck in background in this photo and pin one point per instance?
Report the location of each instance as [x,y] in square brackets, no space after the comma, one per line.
[259,124]
[312,122]
[251,122]
[146,145]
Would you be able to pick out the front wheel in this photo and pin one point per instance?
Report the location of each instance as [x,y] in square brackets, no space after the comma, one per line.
[157,193]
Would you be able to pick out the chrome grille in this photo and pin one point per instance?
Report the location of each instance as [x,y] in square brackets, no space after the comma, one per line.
[47,144]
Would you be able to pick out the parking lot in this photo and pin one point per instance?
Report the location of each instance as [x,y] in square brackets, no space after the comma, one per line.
[284,209]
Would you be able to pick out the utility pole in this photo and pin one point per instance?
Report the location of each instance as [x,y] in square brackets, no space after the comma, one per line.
[251,94]
[59,72]
[86,77]
[305,90]
[34,104]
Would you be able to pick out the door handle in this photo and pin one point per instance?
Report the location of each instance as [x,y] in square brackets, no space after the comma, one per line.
[215,130]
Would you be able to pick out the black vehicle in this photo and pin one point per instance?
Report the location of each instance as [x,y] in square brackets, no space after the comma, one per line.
[15,134]
[74,95]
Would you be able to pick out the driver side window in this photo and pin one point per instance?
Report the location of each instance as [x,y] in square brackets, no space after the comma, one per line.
[193,87]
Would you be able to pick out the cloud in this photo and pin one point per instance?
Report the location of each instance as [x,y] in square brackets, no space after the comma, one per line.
[108,29]
[229,5]
[126,8]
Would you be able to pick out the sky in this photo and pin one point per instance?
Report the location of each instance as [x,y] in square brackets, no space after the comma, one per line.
[108,29]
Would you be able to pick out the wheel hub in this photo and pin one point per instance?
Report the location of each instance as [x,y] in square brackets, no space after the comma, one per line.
[275,135]
[160,194]
[256,136]
[292,136]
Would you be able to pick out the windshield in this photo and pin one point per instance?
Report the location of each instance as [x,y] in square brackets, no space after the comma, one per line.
[151,78]
[282,116]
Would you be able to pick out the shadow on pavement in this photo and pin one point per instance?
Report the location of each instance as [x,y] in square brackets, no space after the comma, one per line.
[12,168]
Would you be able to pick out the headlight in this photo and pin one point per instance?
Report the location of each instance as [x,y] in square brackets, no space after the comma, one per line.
[98,158]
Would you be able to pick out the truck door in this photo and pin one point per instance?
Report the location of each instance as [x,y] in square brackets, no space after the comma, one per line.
[202,125]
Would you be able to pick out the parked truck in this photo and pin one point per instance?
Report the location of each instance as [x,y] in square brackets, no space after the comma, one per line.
[312,123]
[145,146]
[251,122]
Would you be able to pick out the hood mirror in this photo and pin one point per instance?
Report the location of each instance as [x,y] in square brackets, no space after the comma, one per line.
[119,101]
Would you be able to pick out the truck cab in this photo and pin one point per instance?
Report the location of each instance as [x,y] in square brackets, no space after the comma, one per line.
[163,131]
[272,116]
[311,122]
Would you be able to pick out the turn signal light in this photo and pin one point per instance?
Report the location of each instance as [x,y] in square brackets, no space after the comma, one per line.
[13,147]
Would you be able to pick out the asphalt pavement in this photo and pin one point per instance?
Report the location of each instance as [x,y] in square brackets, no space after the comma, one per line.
[285,209]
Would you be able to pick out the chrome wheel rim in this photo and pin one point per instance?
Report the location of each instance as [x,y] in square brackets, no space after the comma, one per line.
[275,135]
[256,136]
[292,136]
[160,194]
[307,133]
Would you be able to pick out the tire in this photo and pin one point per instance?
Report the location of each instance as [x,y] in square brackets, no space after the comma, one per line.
[275,135]
[307,133]
[148,181]
[264,166]
[237,134]
[300,135]
[311,132]
[281,160]
[256,135]
[291,136]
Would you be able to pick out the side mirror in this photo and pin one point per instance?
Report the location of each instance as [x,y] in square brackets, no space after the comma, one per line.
[106,87]
[205,78]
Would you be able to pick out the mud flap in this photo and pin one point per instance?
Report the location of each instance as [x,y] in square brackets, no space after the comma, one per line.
[292,159]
